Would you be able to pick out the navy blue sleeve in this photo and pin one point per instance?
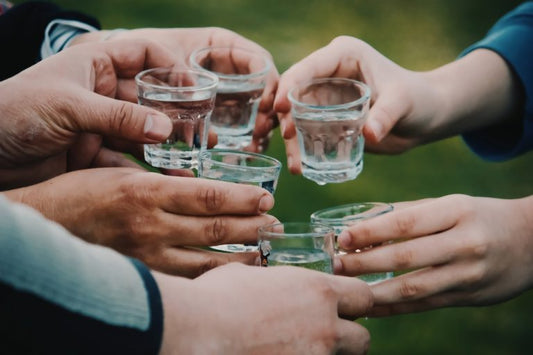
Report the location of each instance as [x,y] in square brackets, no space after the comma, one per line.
[22,32]
[512,38]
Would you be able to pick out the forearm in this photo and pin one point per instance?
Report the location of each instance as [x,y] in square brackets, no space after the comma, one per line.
[57,292]
[476,91]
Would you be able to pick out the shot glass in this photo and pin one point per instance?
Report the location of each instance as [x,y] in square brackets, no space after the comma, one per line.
[243,168]
[188,98]
[308,245]
[329,115]
[341,217]
[242,77]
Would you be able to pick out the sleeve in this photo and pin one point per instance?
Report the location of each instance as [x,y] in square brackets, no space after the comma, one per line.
[26,23]
[512,38]
[61,295]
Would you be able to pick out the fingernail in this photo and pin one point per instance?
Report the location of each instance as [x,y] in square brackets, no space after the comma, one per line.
[337,265]
[157,127]
[344,240]
[282,126]
[266,203]
[376,128]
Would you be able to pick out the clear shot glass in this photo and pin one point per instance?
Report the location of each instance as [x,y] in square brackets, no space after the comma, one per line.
[329,115]
[343,216]
[302,244]
[242,77]
[242,168]
[188,98]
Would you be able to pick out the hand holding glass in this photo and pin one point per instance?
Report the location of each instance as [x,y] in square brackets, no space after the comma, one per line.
[329,115]
[341,217]
[243,168]
[187,97]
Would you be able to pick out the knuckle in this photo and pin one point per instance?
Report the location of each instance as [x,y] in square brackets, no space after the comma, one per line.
[475,275]
[211,198]
[409,290]
[403,259]
[122,114]
[405,224]
[207,264]
[216,231]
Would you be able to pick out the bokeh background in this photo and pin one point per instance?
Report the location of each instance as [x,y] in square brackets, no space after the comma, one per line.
[419,35]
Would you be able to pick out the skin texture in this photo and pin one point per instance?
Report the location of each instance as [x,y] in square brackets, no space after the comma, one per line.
[162,220]
[58,117]
[252,310]
[407,108]
[452,251]
[183,41]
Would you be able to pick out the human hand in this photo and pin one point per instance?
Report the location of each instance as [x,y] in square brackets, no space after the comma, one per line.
[456,251]
[183,41]
[253,310]
[407,108]
[162,220]
[47,107]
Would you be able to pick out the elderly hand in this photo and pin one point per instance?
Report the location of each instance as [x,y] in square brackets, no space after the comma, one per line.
[48,107]
[162,220]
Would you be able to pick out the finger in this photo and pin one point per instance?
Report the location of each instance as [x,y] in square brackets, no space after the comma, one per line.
[352,338]
[383,115]
[120,119]
[178,172]
[210,231]
[110,158]
[445,299]
[84,151]
[203,197]
[320,64]
[294,161]
[423,283]
[354,296]
[264,124]
[425,251]
[134,55]
[267,98]
[411,222]
[192,262]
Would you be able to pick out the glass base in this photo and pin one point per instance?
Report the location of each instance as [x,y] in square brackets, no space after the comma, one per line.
[233,142]
[327,176]
[235,248]
[170,159]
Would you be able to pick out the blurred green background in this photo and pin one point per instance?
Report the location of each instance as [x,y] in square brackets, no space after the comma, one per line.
[419,35]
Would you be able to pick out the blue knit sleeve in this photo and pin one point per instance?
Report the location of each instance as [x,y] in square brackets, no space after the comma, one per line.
[512,38]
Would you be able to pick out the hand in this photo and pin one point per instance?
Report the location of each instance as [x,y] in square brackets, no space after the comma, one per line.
[48,106]
[407,108]
[159,219]
[183,41]
[456,251]
[253,310]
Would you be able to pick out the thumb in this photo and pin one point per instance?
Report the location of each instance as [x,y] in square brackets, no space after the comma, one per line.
[384,114]
[122,119]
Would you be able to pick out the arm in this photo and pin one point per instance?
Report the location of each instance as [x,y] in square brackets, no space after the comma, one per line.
[484,88]
[164,221]
[60,294]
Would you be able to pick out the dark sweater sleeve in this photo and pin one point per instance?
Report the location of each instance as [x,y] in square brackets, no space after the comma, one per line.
[512,38]
[22,32]
[61,295]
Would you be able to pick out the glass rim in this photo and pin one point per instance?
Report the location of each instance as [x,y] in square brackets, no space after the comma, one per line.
[264,71]
[202,73]
[365,97]
[315,216]
[276,164]
[324,229]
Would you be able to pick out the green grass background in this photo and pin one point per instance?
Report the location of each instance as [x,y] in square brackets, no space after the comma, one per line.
[419,35]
